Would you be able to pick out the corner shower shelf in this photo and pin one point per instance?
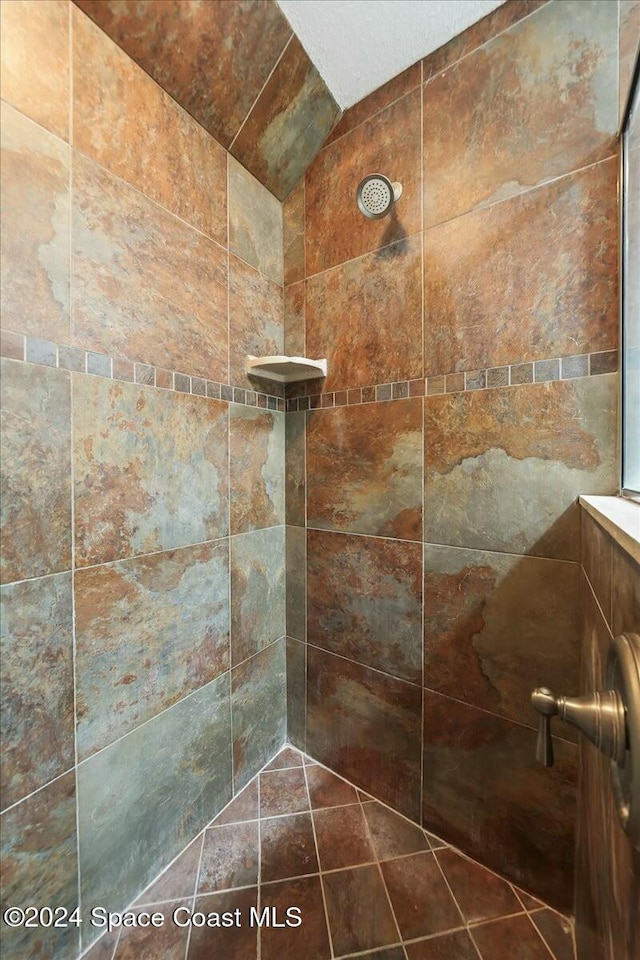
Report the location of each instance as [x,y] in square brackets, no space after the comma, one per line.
[286,369]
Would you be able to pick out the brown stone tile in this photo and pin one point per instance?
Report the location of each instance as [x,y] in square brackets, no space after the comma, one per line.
[111,93]
[244,806]
[484,789]
[168,941]
[496,939]
[513,462]
[438,384]
[283,791]
[481,895]
[528,902]
[310,940]
[40,866]
[359,914]
[35,61]
[12,345]
[256,470]
[392,835]
[472,652]
[37,678]
[288,848]
[366,726]
[133,657]
[140,485]
[327,790]
[213,59]
[451,946]
[127,255]
[232,943]
[386,631]
[454,382]
[556,932]
[230,857]
[179,880]
[566,109]
[606,362]
[288,757]
[365,316]
[596,560]
[385,95]
[293,228]
[629,31]
[294,322]
[296,692]
[36,476]
[335,229]
[35,225]
[287,124]
[258,705]
[478,266]
[255,224]
[363,470]
[625,592]
[256,320]
[342,836]
[103,948]
[420,897]
[478,33]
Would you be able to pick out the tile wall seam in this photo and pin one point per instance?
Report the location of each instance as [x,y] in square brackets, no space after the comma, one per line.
[448,546]
[392,676]
[317,852]
[33,793]
[376,113]
[596,601]
[149,720]
[470,53]
[253,105]
[361,256]
[500,716]
[259,890]
[524,191]
[453,896]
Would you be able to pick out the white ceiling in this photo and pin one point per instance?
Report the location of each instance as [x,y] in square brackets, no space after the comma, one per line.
[357,45]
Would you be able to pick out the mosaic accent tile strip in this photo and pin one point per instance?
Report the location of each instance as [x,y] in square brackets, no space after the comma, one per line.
[516,374]
[17,346]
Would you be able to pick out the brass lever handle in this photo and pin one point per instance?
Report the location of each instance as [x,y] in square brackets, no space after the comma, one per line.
[599,716]
[545,703]
[610,719]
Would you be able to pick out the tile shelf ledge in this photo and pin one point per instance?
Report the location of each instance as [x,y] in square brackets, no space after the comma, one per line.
[284,369]
[619,517]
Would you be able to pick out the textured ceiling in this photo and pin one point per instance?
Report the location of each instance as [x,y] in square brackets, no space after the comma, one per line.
[357,45]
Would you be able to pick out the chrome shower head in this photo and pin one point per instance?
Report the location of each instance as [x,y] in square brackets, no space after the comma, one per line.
[376,195]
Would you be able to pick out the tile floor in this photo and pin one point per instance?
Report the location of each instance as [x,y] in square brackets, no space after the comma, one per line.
[368,883]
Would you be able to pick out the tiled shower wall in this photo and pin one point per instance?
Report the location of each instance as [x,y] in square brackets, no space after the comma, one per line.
[432,526]
[608,868]
[143,612]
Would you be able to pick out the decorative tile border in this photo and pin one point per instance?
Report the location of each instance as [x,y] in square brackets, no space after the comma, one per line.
[516,374]
[16,346]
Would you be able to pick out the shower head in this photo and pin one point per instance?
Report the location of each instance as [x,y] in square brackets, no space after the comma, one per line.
[376,195]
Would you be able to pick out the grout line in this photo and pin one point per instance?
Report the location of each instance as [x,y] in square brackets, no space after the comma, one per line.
[195,892]
[380,873]
[315,840]
[539,932]
[251,108]
[259,890]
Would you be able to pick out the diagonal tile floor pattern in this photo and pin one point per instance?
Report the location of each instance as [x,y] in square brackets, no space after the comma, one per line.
[368,883]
